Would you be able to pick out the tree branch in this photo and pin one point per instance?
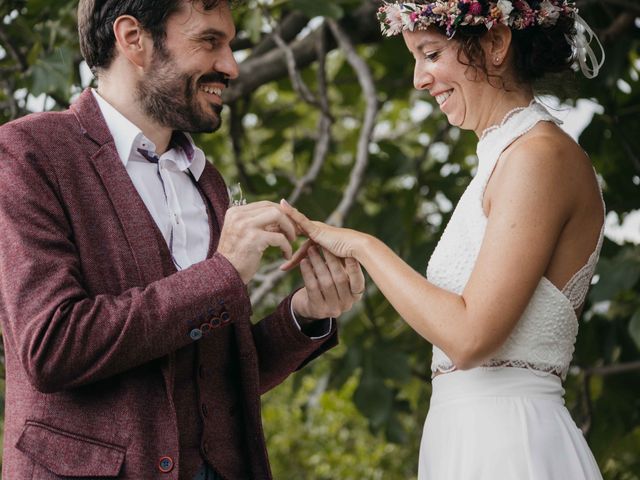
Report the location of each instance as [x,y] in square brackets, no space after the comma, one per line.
[256,71]
[237,112]
[273,277]
[622,23]
[365,79]
[324,127]
[289,27]
[626,4]
[604,370]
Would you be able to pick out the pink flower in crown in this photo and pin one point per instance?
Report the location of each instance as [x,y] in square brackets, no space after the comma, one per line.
[529,18]
[475,9]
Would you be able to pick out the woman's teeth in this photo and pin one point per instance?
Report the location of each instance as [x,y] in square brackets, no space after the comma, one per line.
[443,97]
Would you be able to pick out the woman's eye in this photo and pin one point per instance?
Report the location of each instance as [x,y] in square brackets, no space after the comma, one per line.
[433,56]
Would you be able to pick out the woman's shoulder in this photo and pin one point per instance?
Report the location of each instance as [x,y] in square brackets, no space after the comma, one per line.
[546,162]
[547,152]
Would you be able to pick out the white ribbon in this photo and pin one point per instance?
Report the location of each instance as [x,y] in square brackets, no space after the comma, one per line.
[586,57]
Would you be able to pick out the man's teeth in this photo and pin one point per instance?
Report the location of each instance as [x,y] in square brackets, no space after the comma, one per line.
[215,91]
[443,97]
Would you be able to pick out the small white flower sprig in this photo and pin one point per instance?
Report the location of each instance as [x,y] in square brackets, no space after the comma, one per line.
[450,14]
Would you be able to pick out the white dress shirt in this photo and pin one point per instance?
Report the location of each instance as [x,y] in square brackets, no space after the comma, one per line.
[167,189]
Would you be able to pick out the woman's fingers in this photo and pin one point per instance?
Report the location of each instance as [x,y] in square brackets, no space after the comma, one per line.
[307,226]
[297,257]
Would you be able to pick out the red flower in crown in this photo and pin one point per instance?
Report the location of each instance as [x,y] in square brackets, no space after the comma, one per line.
[475,9]
[521,5]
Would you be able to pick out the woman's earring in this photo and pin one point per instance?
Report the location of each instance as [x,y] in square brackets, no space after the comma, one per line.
[496,61]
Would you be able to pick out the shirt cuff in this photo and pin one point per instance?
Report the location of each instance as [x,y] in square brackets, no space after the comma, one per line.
[322,325]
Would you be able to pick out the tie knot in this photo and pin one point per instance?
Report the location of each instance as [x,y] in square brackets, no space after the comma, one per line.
[150,156]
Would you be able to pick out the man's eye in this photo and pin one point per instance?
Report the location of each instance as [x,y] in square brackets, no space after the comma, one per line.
[212,41]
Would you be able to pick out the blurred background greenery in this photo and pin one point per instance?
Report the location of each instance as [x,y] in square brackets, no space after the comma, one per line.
[325,114]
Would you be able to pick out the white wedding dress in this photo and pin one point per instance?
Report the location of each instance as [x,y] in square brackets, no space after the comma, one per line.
[505,420]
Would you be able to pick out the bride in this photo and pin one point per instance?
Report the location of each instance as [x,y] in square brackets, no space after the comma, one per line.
[508,278]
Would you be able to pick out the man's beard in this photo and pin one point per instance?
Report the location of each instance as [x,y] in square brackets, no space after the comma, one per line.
[169,96]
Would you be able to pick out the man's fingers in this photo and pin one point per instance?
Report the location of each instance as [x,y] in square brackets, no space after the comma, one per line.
[265,215]
[272,239]
[272,219]
[339,276]
[322,273]
[310,282]
[356,276]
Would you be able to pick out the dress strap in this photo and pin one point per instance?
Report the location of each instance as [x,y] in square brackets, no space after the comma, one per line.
[494,140]
[578,285]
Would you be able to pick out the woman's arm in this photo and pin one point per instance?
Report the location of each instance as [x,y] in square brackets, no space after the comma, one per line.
[531,201]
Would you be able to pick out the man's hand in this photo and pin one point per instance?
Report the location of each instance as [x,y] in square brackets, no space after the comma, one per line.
[332,285]
[247,232]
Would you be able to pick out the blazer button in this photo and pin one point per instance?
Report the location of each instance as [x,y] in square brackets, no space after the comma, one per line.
[205,448]
[205,411]
[165,465]
[195,334]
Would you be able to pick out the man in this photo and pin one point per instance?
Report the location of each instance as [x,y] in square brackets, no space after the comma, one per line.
[129,349]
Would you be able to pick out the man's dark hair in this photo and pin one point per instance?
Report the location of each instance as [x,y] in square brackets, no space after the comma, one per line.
[96,19]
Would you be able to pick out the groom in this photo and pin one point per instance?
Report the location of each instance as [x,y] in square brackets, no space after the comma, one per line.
[129,348]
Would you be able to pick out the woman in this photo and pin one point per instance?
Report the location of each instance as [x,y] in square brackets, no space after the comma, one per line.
[509,276]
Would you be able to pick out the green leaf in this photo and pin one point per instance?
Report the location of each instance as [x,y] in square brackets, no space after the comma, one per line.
[391,363]
[634,328]
[52,73]
[617,275]
[374,399]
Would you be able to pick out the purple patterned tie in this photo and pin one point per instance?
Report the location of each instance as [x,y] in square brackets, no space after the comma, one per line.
[178,140]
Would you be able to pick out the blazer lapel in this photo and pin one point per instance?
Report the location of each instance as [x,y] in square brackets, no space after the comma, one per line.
[217,200]
[136,221]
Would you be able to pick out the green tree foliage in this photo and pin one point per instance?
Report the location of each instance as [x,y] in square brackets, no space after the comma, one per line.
[316,77]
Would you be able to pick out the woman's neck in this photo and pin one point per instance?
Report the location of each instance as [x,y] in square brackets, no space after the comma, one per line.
[500,106]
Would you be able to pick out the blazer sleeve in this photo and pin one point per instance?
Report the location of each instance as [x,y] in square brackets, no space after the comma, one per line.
[63,337]
[283,348]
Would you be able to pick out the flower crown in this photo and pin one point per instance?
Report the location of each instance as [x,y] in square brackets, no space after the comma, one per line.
[397,17]
[451,14]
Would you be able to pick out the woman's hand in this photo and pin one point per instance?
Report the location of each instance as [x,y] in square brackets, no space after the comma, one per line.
[341,242]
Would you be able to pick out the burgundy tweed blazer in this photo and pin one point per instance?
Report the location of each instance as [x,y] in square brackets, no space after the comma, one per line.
[93,313]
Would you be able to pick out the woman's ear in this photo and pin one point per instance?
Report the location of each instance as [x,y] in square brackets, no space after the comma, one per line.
[131,40]
[496,44]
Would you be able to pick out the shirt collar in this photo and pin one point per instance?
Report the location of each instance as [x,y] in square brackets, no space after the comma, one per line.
[128,138]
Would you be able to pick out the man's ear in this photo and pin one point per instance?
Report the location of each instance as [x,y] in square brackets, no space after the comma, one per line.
[132,41]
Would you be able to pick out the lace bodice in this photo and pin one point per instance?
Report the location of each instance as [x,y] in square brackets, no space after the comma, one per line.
[544,337]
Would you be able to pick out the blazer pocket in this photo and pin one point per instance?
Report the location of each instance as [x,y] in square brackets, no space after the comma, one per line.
[69,454]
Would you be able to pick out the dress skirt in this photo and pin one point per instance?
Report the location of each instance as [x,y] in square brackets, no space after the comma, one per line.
[502,424]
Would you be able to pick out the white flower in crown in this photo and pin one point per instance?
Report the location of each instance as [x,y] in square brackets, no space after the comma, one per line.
[394,20]
[506,7]
[549,13]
